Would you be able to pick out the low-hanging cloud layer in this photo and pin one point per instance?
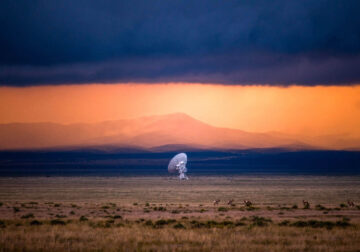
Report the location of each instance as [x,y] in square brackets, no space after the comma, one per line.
[204,41]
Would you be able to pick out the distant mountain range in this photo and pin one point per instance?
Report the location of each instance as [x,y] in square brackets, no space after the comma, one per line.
[161,133]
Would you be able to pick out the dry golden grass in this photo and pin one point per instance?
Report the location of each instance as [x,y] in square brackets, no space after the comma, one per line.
[157,214]
[137,236]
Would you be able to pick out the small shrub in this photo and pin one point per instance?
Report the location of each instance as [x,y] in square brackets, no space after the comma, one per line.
[342,205]
[149,223]
[83,218]
[117,217]
[260,221]
[179,226]
[135,204]
[160,208]
[57,205]
[175,211]
[35,223]
[294,206]
[222,209]
[2,224]
[147,204]
[320,207]
[284,223]
[161,222]
[202,210]
[1,204]
[105,207]
[227,223]
[342,223]
[57,222]
[72,213]
[197,224]
[299,224]
[27,216]
[239,223]
[73,205]
[16,209]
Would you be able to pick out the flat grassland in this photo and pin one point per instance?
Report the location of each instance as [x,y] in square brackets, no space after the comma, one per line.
[164,214]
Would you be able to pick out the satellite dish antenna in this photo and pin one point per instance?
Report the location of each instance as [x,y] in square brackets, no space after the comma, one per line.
[178,164]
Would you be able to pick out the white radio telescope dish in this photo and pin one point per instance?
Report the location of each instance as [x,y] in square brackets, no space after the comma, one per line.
[178,164]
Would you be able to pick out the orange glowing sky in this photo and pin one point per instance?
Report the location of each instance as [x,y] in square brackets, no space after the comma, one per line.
[301,110]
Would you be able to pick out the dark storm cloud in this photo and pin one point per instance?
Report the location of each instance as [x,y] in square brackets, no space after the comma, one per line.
[229,42]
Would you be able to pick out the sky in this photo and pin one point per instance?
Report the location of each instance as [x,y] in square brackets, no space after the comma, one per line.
[259,66]
[302,110]
[277,42]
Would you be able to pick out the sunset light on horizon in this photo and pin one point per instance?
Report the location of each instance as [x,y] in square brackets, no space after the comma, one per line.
[308,111]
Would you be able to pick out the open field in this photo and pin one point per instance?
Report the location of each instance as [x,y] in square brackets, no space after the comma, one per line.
[162,213]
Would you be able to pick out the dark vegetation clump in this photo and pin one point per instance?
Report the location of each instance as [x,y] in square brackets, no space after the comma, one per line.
[148,223]
[57,222]
[57,205]
[16,209]
[260,221]
[27,216]
[321,224]
[320,207]
[117,217]
[105,207]
[294,206]
[160,208]
[179,226]
[284,223]
[83,218]
[72,213]
[214,224]
[2,224]
[342,205]
[35,223]
[222,209]
[1,204]
[239,223]
[175,211]
[197,224]
[160,223]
